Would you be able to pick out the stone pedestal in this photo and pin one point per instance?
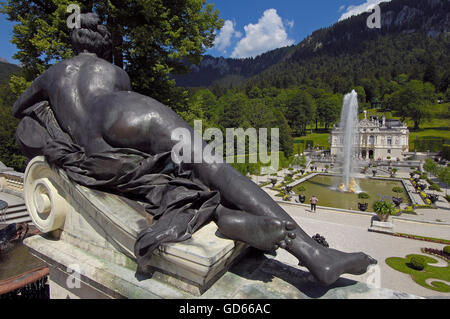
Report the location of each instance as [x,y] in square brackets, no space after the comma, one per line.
[178,271]
[382,227]
[74,273]
[96,232]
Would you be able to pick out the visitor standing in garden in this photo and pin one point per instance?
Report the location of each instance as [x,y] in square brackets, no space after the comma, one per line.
[313,201]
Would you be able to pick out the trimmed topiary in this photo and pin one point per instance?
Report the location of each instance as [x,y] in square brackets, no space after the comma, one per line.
[447,250]
[417,263]
[363,195]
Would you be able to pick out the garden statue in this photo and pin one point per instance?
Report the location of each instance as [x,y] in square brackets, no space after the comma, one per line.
[83,116]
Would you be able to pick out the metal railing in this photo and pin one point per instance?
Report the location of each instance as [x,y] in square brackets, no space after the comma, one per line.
[3,209]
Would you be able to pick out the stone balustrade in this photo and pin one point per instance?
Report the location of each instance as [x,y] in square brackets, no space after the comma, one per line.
[11,182]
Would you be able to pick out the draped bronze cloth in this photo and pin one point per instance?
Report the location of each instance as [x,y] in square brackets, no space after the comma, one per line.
[179,202]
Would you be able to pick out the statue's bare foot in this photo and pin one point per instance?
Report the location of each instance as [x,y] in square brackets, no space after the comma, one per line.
[264,233]
[329,264]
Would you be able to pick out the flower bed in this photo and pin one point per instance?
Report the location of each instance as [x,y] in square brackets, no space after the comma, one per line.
[423,206]
[423,277]
[428,239]
[408,210]
[433,184]
[436,252]
[425,198]
[264,184]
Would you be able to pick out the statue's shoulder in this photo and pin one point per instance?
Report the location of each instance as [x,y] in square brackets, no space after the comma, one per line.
[91,60]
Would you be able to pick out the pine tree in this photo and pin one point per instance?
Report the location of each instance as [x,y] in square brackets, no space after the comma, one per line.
[152,38]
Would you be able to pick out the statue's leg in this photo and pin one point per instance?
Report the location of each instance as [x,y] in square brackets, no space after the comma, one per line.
[137,121]
[262,232]
[327,265]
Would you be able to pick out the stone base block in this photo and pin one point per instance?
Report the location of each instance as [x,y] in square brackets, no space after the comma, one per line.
[382,227]
[74,273]
[104,225]
[191,266]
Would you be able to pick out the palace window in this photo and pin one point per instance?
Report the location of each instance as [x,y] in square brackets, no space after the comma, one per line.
[389,140]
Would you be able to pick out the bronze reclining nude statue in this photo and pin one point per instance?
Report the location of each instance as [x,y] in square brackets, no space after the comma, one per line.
[94,107]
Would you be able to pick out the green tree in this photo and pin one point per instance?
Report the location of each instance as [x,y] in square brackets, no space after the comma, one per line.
[413,101]
[286,140]
[207,101]
[152,38]
[261,113]
[361,96]
[444,176]
[328,108]
[431,74]
[9,152]
[233,106]
[299,107]
[431,167]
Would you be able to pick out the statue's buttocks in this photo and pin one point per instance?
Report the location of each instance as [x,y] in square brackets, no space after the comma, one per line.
[77,84]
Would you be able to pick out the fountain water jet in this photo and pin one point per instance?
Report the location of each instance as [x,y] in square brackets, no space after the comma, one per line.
[349,128]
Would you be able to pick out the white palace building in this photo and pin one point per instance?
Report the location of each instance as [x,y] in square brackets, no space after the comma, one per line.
[377,139]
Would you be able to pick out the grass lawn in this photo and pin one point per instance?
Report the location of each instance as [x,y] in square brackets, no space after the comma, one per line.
[428,133]
[319,139]
[428,274]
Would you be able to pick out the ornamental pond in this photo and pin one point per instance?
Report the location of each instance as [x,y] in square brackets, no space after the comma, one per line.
[325,188]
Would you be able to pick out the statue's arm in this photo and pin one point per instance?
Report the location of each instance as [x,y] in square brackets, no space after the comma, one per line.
[125,81]
[34,94]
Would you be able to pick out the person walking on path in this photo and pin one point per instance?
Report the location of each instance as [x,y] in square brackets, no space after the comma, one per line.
[313,201]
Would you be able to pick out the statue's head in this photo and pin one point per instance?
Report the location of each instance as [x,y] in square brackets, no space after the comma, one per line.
[92,37]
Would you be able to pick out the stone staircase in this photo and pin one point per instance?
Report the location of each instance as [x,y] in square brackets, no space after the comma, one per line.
[11,187]
[15,214]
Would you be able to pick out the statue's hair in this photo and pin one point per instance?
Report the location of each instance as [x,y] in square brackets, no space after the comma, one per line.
[92,37]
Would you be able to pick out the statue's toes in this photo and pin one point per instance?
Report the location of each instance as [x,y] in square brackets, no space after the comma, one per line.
[292,235]
[290,225]
[283,244]
[288,241]
[372,261]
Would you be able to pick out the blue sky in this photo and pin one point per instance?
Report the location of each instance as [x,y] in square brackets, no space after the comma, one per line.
[253,26]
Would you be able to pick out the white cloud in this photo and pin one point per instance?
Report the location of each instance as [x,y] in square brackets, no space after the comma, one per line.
[290,23]
[268,34]
[341,8]
[223,40]
[356,10]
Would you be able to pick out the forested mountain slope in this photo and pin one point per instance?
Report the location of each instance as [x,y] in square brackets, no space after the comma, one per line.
[413,40]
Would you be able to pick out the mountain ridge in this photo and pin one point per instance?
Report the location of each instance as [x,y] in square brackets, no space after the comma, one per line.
[399,18]
[6,69]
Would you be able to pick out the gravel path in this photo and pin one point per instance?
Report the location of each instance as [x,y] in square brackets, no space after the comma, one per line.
[348,232]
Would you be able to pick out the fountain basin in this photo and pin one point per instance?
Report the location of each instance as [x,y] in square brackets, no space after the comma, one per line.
[325,188]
